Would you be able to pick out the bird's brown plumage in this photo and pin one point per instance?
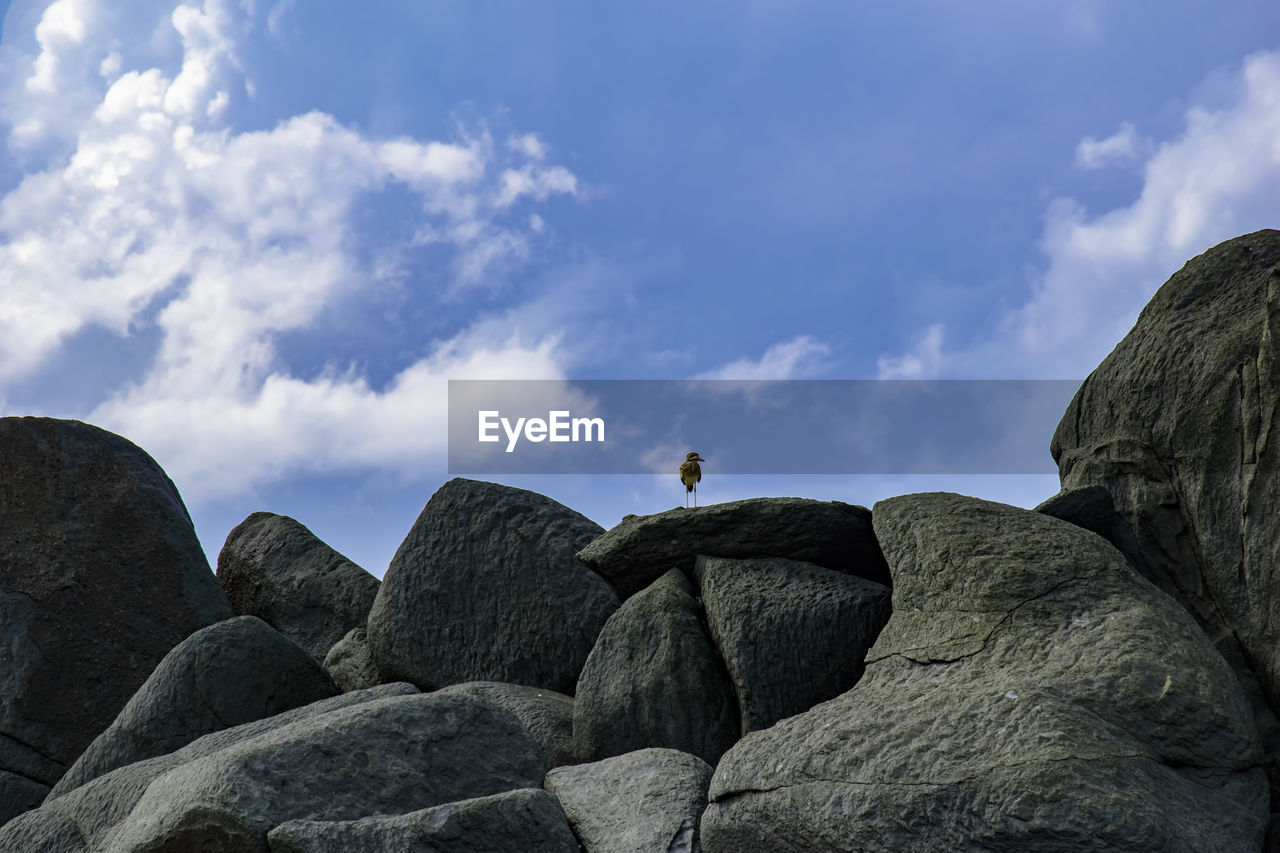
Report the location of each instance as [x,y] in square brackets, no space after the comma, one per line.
[691,474]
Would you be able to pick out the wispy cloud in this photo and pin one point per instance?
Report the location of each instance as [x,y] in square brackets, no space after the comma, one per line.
[797,358]
[922,361]
[1219,178]
[1123,146]
[161,214]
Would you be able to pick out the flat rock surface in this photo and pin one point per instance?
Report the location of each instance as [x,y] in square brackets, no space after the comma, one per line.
[486,588]
[647,801]
[230,673]
[641,548]
[273,567]
[101,575]
[791,634]
[524,821]
[654,679]
[1030,692]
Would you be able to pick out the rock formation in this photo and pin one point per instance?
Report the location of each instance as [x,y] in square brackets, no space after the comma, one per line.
[777,674]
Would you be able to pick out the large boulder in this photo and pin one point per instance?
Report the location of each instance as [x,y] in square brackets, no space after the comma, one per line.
[647,801]
[654,679]
[86,819]
[524,821]
[485,588]
[641,548]
[273,567]
[101,575]
[1180,425]
[1030,692]
[545,714]
[792,634]
[230,673]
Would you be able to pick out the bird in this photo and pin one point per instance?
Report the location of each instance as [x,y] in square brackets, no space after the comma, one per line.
[691,475]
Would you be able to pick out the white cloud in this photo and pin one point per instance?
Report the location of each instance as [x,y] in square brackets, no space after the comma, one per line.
[793,359]
[1123,146]
[223,241]
[1219,178]
[922,361]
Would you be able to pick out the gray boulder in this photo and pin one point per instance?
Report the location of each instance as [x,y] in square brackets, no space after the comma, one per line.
[1089,507]
[485,588]
[86,818]
[643,547]
[1179,424]
[274,568]
[350,663]
[654,679]
[230,673]
[524,821]
[647,801]
[1030,692]
[546,715]
[791,634]
[101,574]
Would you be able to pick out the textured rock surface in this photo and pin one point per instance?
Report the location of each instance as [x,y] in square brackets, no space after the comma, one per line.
[655,680]
[791,634]
[1179,423]
[1089,507]
[523,821]
[230,673]
[388,756]
[643,547]
[274,568]
[546,715]
[87,817]
[350,663]
[485,588]
[1031,692]
[647,801]
[100,575]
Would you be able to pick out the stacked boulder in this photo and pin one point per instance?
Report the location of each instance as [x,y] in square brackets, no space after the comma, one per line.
[775,674]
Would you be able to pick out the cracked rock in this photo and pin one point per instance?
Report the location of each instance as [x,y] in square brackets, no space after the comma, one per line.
[1030,692]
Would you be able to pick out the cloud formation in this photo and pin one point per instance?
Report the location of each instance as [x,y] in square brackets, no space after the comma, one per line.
[160,214]
[797,358]
[1218,179]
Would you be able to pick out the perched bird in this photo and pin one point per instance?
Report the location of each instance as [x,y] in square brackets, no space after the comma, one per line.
[691,475]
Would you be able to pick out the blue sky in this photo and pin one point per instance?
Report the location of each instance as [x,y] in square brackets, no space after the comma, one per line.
[257,238]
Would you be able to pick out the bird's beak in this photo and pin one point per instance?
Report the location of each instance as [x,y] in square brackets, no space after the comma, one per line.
[700,459]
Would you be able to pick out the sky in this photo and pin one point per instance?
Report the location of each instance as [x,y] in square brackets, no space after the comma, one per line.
[258,237]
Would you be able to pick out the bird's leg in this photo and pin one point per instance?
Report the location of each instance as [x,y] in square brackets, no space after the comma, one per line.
[695,495]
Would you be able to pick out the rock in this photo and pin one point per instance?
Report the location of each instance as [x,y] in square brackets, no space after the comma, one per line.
[643,547]
[655,680]
[546,715]
[388,756]
[92,811]
[523,821]
[791,634]
[100,575]
[1179,424]
[350,663]
[486,588]
[1030,692]
[276,569]
[1089,507]
[647,801]
[230,673]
